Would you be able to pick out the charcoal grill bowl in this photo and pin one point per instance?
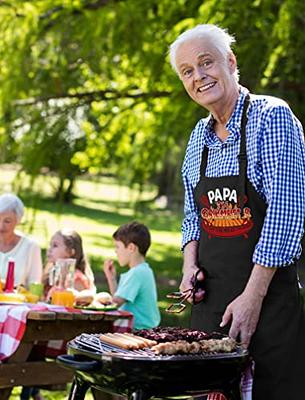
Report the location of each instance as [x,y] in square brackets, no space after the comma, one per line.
[141,378]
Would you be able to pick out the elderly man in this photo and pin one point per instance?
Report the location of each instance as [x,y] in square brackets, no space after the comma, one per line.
[244,178]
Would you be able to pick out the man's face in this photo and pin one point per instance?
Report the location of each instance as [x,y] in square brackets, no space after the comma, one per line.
[206,75]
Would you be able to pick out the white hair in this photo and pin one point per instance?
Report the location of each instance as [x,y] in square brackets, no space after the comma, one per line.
[10,202]
[218,37]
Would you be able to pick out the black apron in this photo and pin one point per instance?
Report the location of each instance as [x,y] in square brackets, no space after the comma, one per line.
[232,216]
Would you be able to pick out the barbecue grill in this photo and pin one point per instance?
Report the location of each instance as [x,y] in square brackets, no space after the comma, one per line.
[141,374]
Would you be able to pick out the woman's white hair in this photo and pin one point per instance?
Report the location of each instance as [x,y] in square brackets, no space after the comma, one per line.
[217,36]
[11,202]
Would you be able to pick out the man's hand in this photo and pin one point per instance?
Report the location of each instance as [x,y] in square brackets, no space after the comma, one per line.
[188,281]
[243,312]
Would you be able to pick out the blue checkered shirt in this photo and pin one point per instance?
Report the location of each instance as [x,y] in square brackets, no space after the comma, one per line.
[276,169]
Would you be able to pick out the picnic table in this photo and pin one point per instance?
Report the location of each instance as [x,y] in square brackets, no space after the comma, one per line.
[25,327]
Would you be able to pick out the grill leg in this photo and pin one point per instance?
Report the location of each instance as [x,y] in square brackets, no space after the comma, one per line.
[138,394]
[78,389]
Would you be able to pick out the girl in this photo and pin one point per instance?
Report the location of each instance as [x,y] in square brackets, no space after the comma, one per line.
[67,243]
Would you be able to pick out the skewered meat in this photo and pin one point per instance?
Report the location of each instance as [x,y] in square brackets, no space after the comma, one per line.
[225,345]
[180,346]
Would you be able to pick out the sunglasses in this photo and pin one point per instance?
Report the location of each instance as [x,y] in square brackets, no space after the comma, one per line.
[178,307]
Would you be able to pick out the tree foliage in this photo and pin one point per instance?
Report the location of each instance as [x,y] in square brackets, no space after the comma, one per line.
[86,84]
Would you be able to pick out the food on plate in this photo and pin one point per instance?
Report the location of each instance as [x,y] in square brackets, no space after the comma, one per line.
[103,298]
[83,298]
[21,289]
[12,297]
[29,297]
[100,300]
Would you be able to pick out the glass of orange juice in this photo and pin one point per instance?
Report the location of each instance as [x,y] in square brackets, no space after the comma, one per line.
[63,297]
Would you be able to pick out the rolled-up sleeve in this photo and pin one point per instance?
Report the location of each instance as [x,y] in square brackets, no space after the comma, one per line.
[283,177]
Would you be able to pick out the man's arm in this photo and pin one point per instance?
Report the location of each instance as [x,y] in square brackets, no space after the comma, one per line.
[244,311]
[189,264]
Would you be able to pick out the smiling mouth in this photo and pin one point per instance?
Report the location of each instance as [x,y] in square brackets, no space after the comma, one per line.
[206,87]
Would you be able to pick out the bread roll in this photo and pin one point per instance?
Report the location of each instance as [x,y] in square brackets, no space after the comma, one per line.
[83,298]
[103,298]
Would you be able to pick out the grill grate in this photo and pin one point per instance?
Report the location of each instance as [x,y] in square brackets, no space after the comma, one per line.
[91,343]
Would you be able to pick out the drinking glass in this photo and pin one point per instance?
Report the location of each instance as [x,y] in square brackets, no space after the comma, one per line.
[61,278]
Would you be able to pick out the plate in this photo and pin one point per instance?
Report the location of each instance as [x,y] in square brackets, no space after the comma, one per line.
[12,303]
[108,307]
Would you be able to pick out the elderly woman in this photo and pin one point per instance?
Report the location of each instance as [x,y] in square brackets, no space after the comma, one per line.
[244,178]
[14,244]
[24,251]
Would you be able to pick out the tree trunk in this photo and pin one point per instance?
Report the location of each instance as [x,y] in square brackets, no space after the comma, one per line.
[68,194]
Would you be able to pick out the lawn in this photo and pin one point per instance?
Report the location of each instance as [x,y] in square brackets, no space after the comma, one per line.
[100,206]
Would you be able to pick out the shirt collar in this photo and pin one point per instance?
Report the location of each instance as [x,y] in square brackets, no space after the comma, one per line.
[233,125]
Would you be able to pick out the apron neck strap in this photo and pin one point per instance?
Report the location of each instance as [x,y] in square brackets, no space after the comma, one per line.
[242,157]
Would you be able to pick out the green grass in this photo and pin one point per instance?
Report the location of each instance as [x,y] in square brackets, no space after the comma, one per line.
[49,395]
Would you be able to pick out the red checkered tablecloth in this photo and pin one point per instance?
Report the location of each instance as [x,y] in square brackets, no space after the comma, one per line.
[13,323]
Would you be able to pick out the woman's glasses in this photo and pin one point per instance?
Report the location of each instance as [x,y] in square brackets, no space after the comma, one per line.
[179,306]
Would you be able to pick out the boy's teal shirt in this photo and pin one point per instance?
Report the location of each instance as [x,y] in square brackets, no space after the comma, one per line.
[138,288]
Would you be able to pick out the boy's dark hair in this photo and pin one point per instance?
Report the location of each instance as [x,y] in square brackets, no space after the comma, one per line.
[136,233]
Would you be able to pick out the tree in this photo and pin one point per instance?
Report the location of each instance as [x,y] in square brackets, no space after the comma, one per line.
[86,84]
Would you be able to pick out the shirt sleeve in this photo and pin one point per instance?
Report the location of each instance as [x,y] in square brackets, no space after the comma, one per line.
[283,177]
[128,287]
[190,177]
[190,223]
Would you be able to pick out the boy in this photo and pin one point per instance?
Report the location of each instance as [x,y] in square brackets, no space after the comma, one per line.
[136,291]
